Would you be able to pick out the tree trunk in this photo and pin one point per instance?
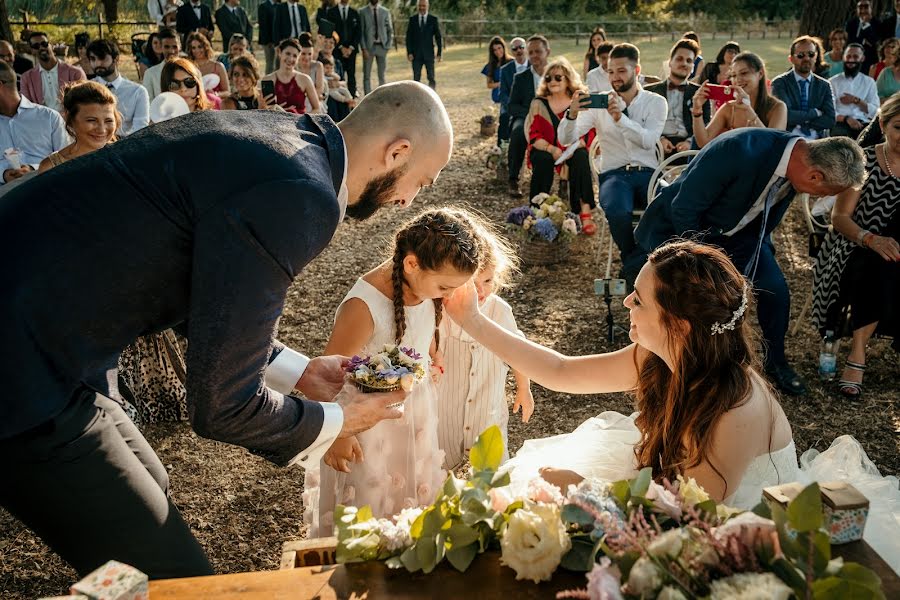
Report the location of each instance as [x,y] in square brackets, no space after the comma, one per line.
[819,17]
[5,28]
[111,10]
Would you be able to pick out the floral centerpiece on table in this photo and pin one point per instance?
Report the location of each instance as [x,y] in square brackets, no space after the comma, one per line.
[634,538]
[391,369]
[546,218]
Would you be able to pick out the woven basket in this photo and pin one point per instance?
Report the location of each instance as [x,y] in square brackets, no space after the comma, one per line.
[368,389]
[541,252]
[488,126]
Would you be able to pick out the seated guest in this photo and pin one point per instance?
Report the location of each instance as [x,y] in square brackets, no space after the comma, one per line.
[45,83]
[306,63]
[718,72]
[888,82]
[855,94]
[82,41]
[733,195]
[591,58]
[810,105]
[292,88]
[150,55]
[508,71]
[200,51]
[170,47]
[92,118]
[597,78]
[8,55]
[244,77]
[629,130]
[837,39]
[181,76]
[34,131]
[821,68]
[698,60]
[133,103]
[678,132]
[340,100]
[886,51]
[863,29]
[524,86]
[752,105]
[497,57]
[238,46]
[553,97]
[857,270]
[21,63]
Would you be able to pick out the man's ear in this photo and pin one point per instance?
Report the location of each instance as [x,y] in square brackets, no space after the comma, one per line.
[637,70]
[397,153]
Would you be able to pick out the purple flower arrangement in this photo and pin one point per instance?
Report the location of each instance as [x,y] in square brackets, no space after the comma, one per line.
[545,218]
[391,369]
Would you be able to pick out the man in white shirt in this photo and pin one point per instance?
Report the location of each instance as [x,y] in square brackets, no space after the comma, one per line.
[33,131]
[628,130]
[855,95]
[597,80]
[133,100]
[171,46]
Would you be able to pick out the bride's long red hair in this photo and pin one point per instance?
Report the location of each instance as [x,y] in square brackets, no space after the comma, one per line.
[696,286]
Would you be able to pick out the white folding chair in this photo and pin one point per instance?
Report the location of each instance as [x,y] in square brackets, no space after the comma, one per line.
[668,171]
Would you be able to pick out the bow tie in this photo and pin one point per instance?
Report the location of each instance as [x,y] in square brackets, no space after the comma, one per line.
[674,86]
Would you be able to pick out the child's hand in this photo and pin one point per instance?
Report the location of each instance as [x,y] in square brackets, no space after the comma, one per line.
[437,366]
[342,452]
[525,401]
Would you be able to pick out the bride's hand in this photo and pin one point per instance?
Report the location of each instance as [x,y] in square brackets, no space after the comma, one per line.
[462,305]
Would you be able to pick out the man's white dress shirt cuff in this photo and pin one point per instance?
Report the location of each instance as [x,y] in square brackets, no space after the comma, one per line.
[331,428]
[285,370]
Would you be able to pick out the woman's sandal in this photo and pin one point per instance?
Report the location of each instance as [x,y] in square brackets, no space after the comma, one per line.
[588,227]
[852,389]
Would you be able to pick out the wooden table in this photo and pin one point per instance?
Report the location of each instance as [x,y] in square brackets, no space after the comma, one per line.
[373,580]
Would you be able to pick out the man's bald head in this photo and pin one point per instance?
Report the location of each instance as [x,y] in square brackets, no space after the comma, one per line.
[7,53]
[405,109]
[398,139]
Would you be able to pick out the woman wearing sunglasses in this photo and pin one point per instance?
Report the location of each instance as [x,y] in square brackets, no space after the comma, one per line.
[552,99]
[182,77]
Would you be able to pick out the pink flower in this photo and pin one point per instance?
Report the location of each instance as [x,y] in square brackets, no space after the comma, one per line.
[423,492]
[748,527]
[664,500]
[398,480]
[541,490]
[604,581]
[349,495]
[501,498]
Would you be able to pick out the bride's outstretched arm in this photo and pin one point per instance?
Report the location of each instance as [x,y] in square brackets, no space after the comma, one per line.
[595,374]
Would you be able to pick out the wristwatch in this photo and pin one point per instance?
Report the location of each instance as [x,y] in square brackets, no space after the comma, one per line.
[569,117]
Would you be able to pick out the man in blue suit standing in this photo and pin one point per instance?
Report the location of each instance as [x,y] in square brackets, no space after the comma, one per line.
[507,73]
[142,245]
[733,194]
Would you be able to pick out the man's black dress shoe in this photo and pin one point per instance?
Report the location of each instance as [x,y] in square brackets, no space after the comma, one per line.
[786,379]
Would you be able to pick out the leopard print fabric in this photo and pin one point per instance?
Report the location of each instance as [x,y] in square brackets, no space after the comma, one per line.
[151,379]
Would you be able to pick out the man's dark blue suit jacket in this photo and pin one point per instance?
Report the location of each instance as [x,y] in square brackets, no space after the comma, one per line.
[200,223]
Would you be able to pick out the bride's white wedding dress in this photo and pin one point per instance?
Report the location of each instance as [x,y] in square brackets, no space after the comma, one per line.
[603,447]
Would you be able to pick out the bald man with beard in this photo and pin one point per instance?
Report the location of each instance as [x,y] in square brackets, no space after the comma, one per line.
[200,224]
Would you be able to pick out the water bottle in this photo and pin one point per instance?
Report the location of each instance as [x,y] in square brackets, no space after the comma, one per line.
[828,357]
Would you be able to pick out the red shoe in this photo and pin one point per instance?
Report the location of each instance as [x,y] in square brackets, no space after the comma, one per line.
[588,227]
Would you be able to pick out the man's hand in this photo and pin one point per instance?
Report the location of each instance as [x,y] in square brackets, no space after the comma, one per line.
[849,99]
[365,53]
[346,52]
[323,378]
[13,174]
[342,453]
[682,146]
[668,146]
[525,401]
[613,109]
[364,411]
[854,124]
[409,57]
[555,152]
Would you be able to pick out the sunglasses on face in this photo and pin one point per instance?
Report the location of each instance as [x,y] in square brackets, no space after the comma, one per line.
[557,78]
[38,45]
[188,82]
[518,48]
[802,55]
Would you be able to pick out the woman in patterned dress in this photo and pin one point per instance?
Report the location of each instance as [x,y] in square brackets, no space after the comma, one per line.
[857,271]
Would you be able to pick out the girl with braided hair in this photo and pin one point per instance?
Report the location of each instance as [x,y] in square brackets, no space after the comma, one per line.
[398,463]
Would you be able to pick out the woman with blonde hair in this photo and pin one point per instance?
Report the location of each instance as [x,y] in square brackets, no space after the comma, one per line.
[553,97]
[752,105]
[201,53]
[92,118]
[182,77]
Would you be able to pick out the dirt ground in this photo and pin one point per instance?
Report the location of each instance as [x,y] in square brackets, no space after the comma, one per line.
[242,509]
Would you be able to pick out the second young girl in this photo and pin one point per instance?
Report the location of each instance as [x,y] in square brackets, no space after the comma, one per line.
[399,302]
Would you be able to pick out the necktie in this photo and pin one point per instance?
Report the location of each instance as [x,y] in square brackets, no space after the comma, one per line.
[422,22]
[343,13]
[295,24]
[780,188]
[375,15]
[804,104]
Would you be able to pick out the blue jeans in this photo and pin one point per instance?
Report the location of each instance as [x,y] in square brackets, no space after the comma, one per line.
[620,192]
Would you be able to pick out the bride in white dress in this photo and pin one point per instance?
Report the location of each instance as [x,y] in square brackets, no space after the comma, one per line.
[703,409]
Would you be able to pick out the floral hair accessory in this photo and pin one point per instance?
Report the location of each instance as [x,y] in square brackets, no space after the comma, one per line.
[735,317]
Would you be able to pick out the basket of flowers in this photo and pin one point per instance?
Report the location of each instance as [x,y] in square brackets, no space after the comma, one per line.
[545,229]
[488,123]
[387,371]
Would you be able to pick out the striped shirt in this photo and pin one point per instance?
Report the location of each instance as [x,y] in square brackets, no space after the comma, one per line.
[472,391]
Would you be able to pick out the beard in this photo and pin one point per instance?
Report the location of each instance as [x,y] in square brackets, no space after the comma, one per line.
[851,69]
[103,71]
[624,87]
[376,194]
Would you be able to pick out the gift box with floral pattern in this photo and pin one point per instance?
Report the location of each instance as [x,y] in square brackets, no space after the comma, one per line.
[113,581]
[844,507]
